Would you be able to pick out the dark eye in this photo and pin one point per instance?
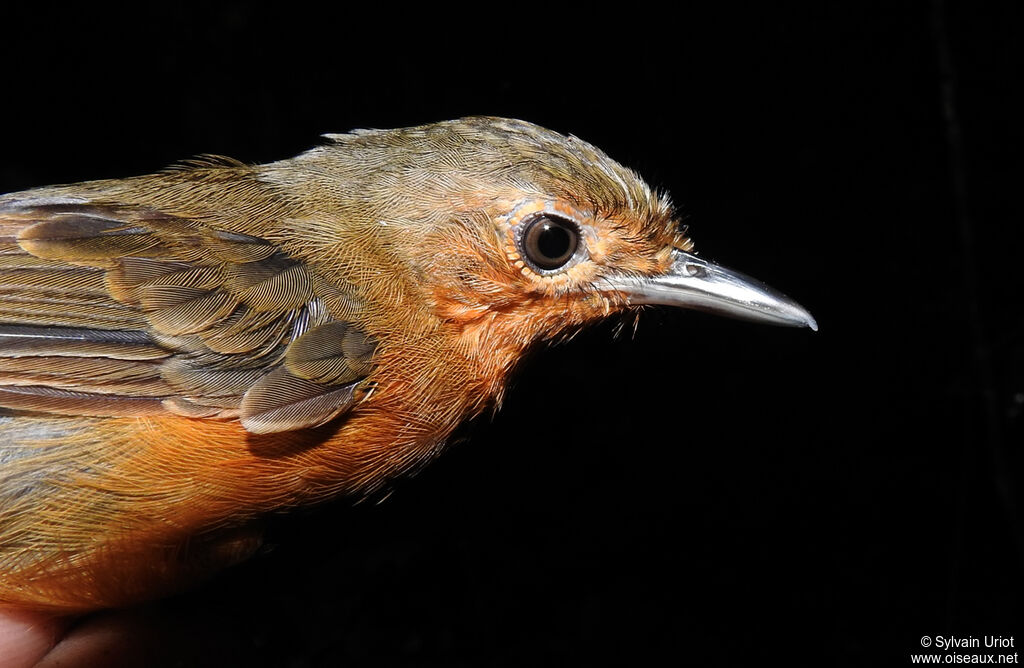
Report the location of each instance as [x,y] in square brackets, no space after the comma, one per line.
[550,243]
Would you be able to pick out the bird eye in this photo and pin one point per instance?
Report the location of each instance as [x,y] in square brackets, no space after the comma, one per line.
[550,243]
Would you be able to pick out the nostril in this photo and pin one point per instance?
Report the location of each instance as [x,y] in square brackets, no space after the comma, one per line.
[695,270]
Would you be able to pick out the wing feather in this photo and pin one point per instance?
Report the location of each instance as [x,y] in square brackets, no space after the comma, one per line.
[283,402]
[114,309]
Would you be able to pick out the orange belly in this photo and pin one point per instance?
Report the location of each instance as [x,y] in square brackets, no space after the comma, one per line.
[104,512]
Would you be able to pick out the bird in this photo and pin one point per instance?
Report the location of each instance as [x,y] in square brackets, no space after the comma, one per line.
[187,352]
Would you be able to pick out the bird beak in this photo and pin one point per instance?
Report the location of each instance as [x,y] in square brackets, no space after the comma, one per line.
[693,282]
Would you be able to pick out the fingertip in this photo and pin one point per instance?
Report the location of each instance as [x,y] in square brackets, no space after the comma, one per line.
[26,637]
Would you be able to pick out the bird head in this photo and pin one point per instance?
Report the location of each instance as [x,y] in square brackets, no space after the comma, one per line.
[516,233]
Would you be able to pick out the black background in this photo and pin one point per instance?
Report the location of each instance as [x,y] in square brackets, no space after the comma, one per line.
[705,492]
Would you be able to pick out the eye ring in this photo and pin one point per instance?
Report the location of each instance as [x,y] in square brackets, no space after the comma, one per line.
[550,243]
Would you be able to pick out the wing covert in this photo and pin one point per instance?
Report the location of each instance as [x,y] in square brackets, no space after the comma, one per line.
[114,309]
